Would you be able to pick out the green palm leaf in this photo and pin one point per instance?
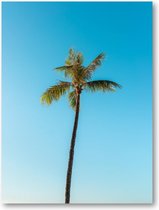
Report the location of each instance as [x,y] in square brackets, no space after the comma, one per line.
[55,92]
[68,70]
[79,58]
[73,65]
[72,99]
[95,63]
[101,85]
[63,68]
[71,57]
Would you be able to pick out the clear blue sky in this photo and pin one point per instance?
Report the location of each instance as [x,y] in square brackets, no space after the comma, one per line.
[113,154]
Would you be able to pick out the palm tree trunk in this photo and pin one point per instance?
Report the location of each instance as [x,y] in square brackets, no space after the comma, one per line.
[71,154]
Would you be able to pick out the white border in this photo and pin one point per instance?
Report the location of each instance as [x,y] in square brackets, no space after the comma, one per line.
[155,204]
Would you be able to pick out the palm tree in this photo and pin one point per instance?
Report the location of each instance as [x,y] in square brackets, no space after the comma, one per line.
[79,80]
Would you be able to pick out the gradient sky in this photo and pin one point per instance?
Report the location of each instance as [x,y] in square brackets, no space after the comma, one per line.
[113,153]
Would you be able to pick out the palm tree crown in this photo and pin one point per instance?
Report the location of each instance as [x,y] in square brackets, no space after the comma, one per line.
[80,79]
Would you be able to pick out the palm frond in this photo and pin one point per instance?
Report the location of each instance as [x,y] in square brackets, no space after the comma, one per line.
[65,83]
[72,57]
[79,58]
[73,67]
[68,70]
[55,92]
[101,85]
[79,75]
[95,63]
[86,75]
[63,68]
[72,99]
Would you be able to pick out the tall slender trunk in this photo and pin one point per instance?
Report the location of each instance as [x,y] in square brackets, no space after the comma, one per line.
[71,154]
